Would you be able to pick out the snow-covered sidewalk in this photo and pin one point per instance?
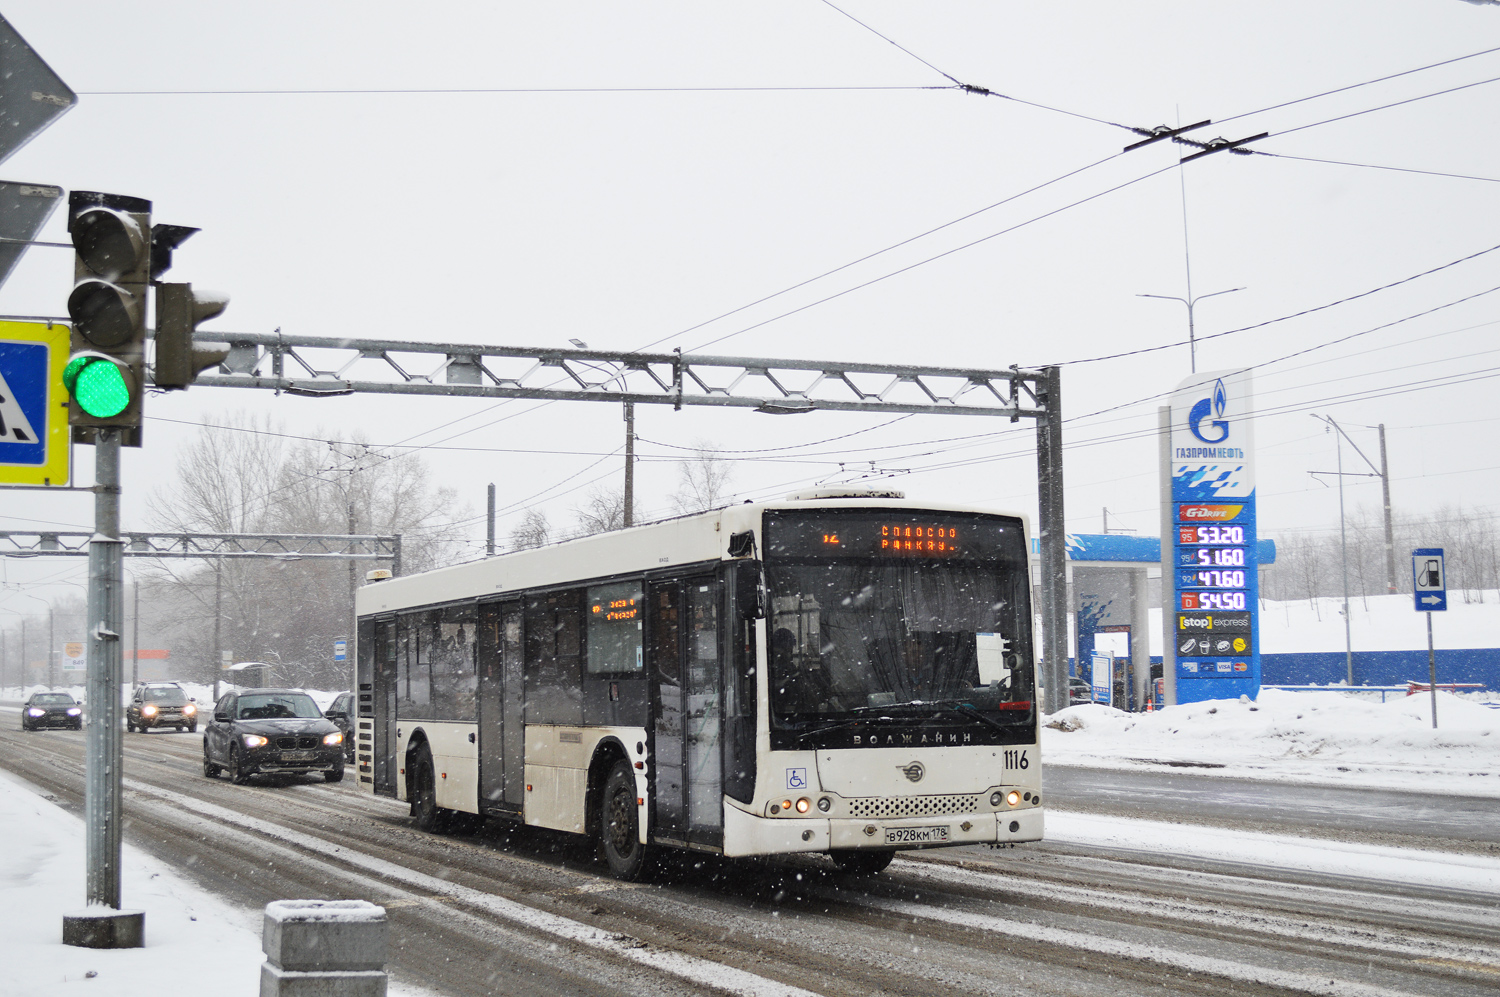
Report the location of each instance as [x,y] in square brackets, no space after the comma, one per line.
[191,935]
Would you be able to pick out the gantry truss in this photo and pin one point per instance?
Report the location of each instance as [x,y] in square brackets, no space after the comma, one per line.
[229,546]
[321,366]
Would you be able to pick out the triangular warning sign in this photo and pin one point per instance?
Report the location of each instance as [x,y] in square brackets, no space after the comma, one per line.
[14,426]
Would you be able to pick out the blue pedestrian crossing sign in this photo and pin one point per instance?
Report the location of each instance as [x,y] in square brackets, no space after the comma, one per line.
[35,441]
[1429,583]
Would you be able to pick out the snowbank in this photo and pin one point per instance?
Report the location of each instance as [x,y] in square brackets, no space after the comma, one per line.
[1317,737]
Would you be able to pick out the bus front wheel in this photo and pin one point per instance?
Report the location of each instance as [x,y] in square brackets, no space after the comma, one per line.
[430,816]
[619,825]
[861,863]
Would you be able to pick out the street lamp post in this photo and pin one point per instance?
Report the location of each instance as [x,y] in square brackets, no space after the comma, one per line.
[1190,301]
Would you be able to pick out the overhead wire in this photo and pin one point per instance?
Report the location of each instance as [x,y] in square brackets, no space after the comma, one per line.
[982,91]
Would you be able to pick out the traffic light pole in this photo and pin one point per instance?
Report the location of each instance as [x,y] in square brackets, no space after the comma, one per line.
[104,924]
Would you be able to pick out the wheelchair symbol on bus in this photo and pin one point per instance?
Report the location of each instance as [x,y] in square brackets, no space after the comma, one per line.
[796,778]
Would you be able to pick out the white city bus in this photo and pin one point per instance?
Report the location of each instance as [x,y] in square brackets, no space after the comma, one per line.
[846,673]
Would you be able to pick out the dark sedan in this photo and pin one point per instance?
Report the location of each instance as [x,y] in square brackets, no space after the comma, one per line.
[52,709]
[265,731]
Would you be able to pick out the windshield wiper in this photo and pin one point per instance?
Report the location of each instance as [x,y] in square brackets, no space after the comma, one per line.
[970,710]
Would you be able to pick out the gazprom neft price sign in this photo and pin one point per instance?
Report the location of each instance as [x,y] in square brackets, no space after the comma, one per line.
[1214,586]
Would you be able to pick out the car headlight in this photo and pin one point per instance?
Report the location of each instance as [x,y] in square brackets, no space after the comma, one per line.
[189,710]
[34,712]
[255,740]
[74,711]
[148,711]
[337,737]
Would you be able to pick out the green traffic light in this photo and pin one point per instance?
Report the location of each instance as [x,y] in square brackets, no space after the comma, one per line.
[97,385]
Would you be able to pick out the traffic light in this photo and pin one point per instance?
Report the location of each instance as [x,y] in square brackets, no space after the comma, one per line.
[105,374]
[179,309]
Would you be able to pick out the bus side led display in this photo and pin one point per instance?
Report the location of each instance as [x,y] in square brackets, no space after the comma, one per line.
[617,609]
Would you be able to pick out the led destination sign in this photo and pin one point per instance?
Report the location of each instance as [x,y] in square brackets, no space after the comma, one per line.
[880,534]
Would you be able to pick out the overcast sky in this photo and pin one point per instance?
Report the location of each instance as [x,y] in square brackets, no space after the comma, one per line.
[513,182]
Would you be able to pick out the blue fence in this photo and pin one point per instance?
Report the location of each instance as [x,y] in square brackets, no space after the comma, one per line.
[1381,667]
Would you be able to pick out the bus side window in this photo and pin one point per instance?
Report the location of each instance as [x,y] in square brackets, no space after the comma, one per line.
[554,649]
[413,668]
[666,635]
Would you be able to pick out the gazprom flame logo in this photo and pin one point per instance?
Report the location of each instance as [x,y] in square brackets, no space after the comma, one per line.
[1200,412]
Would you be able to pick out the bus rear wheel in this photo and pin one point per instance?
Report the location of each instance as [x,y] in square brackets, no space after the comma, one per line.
[619,826]
[861,863]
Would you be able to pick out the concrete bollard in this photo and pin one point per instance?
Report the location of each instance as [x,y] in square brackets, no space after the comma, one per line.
[323,948]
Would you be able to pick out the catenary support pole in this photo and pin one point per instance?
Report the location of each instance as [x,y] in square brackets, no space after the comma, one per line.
[1053,543]
[102,744]
[629,464]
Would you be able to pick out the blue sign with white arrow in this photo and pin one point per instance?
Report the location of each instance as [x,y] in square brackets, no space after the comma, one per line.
[1429,582]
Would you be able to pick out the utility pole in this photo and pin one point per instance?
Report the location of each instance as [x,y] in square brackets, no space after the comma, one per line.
[218,663]
[1339,440]
[353,573]
[1390,543]
[489,537]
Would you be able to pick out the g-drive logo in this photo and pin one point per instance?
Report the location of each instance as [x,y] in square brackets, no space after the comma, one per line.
[1200,410]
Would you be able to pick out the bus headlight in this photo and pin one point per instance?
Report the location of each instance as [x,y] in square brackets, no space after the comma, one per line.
[825,804]
[804,805]
[1013,798]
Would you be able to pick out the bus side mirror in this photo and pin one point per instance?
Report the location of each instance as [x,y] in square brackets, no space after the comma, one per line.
[749,594]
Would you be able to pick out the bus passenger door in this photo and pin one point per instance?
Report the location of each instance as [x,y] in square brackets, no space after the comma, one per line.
[383,707]
[687,721]
[501,734]
[704,717]
[664,665]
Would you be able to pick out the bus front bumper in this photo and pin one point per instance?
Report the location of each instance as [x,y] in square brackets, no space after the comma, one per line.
[747,834]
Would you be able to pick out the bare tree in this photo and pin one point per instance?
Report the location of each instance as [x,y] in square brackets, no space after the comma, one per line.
[702,480]
[242,476]
[603,510]
[534,530]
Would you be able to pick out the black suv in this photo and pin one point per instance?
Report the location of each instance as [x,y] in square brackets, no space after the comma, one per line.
[51,709]
[262,731]
[341,712]
[161,704]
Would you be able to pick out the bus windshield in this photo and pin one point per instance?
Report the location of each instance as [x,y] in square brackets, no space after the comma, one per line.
[870,633]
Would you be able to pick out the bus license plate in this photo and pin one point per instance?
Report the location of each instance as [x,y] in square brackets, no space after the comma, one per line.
[915,835]
[298,756]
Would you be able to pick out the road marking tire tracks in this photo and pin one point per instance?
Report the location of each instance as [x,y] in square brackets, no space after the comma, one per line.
[703,972]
